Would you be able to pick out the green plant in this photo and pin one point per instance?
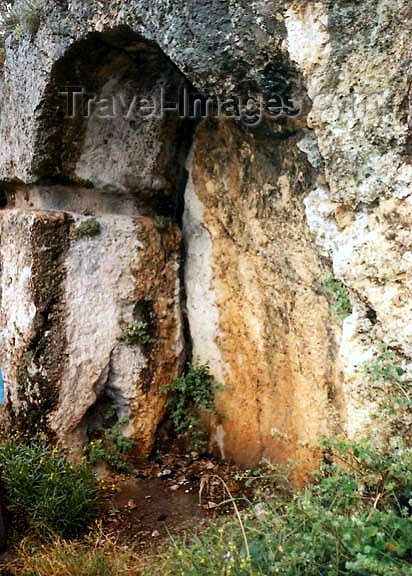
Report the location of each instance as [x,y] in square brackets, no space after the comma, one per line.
[384,371]
[355,519]
[190,396]
[87,229]
[137,332]
[163,223]
[43,491]
[109,444]
[385,367]
[112,448]
[103,450]
[268,478]
[338,296]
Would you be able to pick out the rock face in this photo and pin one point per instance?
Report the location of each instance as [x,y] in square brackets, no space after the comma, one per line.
[270,333]
[67,299]
[360,214]
[95,193]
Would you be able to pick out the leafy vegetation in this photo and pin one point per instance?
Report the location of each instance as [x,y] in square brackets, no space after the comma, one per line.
[338,296]
[87,229]
[190,396]
[163,223]
[385,367]
[43,491]
[355,519]
[385,372]
[109,444]
[137,332]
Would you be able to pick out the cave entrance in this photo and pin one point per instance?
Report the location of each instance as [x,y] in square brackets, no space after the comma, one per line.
[108,136]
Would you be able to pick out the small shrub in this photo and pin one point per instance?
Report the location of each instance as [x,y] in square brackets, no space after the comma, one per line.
[355,519]
[109,444]
[106,449]
[385,372]
[268,478]
[87,229]
[338,295]
[43,491]
[137,332]
[385,367]
[190,395]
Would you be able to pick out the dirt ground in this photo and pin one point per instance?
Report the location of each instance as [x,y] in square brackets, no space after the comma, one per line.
[166,496]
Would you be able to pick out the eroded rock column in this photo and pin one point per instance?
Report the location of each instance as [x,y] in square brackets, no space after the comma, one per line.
[256,308]
[72,285]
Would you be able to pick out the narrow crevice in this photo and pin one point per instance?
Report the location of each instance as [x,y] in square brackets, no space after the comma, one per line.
[186,140]
[109,408]
[186,333]
[7,194]
[187,336]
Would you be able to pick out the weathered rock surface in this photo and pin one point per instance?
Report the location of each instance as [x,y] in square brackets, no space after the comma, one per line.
[31,125]
[261,319]
[66,299]
[267,214]
[360,56]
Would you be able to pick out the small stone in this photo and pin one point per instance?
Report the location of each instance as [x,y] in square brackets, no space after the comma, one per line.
[260,510]
[174,487]
[155,534]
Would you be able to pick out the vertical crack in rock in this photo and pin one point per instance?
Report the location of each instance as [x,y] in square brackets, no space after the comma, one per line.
[184,161]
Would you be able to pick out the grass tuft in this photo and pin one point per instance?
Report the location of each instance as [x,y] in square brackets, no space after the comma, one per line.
[44,492]
[94,556]
[87,229]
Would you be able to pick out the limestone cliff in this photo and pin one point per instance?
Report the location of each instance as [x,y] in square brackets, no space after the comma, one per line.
[216,235]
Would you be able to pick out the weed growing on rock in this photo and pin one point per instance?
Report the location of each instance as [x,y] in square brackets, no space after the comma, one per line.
[385,367]
[163,223]
[338,295]
[112,449]
[137,332]
[43,491]
[87,229]
[190,396]
[385,372]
